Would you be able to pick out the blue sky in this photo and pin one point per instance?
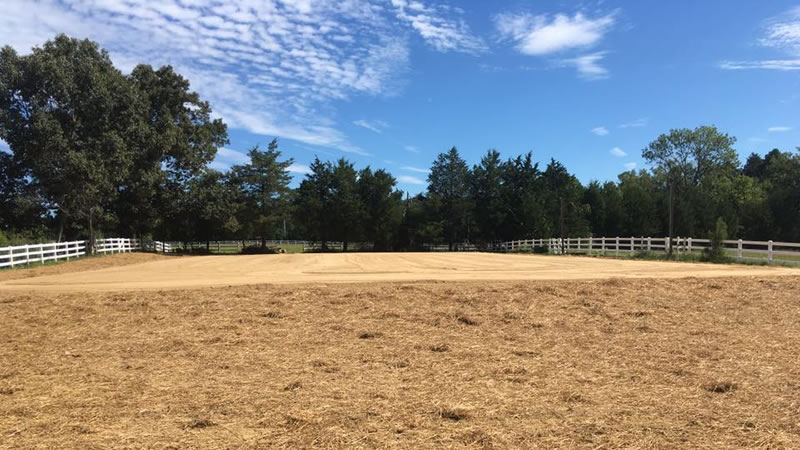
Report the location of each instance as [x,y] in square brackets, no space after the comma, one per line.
[391,83]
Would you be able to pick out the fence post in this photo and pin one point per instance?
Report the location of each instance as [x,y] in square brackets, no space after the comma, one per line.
[689,240]
[649,244]
[603,245]
[739,251]
[616,247]
[633,242]
[769,251]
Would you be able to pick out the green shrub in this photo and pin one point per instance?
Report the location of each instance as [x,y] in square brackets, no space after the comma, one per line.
[716,251]
[541,249]
[259,250]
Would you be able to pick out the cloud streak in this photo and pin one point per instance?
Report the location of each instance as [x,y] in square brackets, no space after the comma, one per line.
[415,169]
[780,33]
[618,152]
[588,66]
[638,123]
[778,129]
[299,169]
[410,180]
[439,27]
[600,131]
[376,126]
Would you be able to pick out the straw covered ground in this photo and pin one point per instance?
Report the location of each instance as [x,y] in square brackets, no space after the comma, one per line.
[607,363]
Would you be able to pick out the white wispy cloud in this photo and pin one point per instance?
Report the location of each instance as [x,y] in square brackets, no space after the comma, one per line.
[440,26]
[540,35]
[409,179]
[630,165]
[618,152]
[415,169]
[774,64]
[376,126]
[299,168]
[638,123]
[271,67]
[411,148]
[780,33]
[232,156]
[600,131]
[588,65]
[778,129]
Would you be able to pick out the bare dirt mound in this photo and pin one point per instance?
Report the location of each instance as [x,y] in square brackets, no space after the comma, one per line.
[203,271]
[699,363]
[79,265]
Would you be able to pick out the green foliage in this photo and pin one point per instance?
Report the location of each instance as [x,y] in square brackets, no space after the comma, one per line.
[716,251]
[449,186]
[263,187]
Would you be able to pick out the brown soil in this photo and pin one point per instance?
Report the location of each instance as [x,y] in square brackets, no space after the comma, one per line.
[202,271]
[693,363]
[79,265]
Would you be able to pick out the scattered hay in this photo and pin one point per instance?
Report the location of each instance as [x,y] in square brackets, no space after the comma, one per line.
[720,387]
[466,320]
[273,315]
[199,423]
[323,366]
[439,348]
[573,397]
[314,384]
[397,364]
[369,335]
[525,353]
[293,386]
[455,414]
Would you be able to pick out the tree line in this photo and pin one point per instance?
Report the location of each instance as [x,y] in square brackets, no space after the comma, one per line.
[92,149]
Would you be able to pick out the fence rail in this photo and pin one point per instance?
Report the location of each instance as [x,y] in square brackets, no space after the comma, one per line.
[55,251]
[741,250]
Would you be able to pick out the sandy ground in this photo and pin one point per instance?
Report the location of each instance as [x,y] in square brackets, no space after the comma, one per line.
[206,271]
[79,265]
[620,363]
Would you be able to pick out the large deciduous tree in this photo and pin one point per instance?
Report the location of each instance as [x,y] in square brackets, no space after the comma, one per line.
[686,157]
[180,138]
[69,116]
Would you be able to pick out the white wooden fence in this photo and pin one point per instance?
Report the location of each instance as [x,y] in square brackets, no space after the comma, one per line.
[55,251]
[741,250]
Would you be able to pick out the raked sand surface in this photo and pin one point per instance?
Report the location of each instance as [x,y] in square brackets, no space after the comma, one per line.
[211,271]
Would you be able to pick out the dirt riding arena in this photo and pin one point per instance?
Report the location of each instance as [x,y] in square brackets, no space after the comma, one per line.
[207,271]
[398,351]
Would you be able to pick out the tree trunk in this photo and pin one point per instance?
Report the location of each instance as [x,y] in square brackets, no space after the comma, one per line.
[671,217]
[344,246]
[90,246]
[60,227]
